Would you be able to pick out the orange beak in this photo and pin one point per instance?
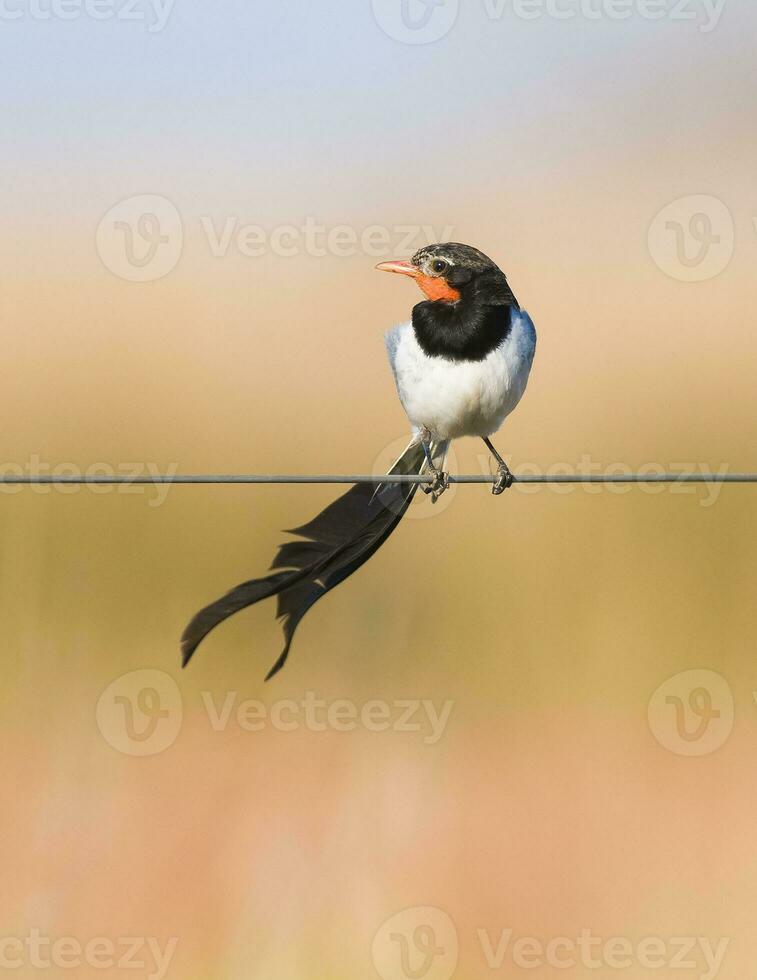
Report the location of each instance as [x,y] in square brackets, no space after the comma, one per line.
[434,288]
[400,267]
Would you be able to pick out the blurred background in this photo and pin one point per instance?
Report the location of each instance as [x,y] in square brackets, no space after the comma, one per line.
[166,309]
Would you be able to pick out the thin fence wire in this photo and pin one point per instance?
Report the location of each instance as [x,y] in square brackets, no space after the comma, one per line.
[264,479]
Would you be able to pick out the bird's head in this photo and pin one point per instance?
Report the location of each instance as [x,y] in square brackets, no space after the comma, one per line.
[451,272]
[469,305]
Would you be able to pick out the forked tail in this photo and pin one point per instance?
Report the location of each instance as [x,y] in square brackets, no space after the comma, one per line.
[330,548]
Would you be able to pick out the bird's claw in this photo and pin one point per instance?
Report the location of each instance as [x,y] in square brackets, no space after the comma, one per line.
[439,483]
[503,480]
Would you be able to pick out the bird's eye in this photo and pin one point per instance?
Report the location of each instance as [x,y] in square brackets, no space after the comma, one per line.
[439,265]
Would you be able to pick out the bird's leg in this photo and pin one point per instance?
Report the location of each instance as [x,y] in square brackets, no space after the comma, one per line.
[504,478]
[440,479]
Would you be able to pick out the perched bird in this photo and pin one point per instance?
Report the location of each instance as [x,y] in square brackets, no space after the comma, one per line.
[461,366]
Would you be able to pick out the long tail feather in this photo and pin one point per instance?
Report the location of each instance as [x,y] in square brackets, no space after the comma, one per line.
[330,548]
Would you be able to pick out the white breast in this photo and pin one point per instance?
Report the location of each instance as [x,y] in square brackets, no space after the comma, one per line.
[462,398]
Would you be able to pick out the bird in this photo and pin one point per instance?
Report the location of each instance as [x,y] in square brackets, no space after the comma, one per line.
[461,365]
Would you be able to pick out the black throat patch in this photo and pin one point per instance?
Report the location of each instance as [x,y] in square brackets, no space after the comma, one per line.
[461,331]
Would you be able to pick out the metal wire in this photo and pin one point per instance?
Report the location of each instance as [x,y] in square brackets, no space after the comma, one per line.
[242,480]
